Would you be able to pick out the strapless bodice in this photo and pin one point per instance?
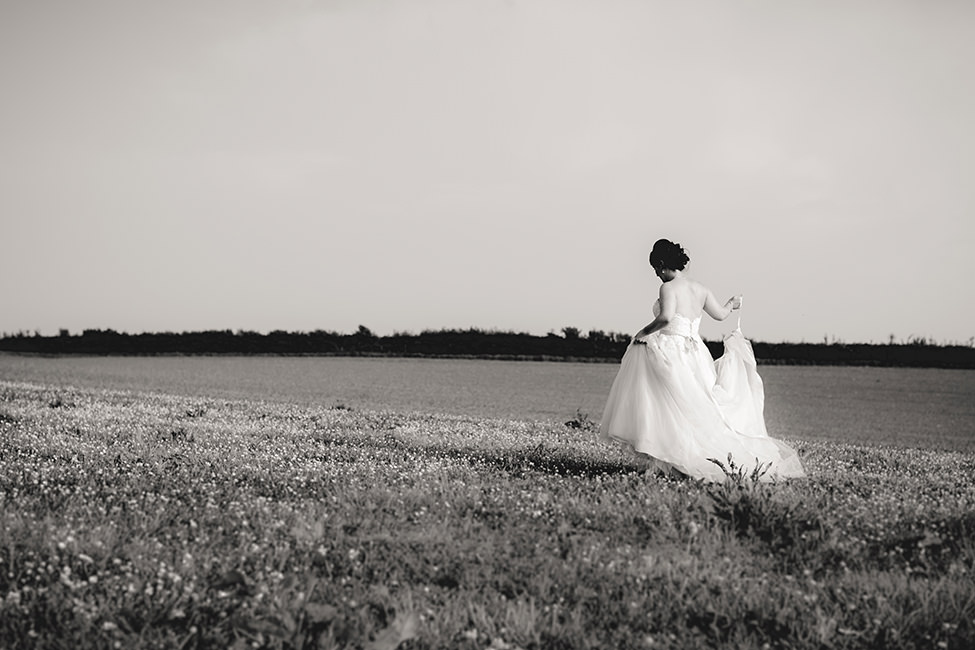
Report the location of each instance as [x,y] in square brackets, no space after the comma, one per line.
[681,325]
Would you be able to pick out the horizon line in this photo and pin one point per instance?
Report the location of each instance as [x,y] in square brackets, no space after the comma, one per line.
[828,339]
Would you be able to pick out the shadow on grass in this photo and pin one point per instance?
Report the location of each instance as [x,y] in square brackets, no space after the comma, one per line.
[927,546]
[539,459]
[512,460]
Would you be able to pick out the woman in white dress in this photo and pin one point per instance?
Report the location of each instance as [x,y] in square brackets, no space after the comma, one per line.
[673,403]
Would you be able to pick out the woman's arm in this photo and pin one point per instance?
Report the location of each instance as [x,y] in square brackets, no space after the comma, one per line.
[668,306]
[716,310]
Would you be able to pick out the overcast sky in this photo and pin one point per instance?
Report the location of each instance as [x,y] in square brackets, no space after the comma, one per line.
[410,165]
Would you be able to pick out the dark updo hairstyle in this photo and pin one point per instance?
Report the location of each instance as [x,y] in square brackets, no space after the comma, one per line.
[668,255]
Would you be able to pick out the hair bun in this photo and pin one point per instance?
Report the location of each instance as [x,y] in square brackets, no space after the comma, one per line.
[669,255]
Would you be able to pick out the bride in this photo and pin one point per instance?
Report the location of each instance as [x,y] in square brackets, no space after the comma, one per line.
[672,402]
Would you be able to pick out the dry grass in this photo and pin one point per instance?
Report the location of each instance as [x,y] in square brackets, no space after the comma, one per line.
[145,520]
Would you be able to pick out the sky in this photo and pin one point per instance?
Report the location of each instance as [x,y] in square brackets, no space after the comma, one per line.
[498,164]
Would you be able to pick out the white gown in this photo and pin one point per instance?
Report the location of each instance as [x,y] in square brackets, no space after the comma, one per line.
[672,402]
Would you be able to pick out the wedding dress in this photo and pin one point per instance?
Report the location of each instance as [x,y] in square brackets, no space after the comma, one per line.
[673,402]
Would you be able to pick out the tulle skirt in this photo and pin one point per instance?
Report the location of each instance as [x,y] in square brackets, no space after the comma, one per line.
[673,403]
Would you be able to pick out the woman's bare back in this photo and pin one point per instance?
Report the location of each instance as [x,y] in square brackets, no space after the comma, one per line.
[690,299]
[688,296]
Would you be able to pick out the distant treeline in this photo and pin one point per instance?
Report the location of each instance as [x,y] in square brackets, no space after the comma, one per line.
[570,345]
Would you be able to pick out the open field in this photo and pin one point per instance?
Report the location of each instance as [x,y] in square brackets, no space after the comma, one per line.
[151,520]
[909,407]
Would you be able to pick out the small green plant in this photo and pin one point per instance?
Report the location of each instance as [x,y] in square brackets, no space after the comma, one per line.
[739,474]
[196,411]
[759,511]
[180,434]
[582,421]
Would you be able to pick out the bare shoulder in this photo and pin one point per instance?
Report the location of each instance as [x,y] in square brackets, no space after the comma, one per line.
[667,289]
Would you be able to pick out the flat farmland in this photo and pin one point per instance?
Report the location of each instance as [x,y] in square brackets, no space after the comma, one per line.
[923,407]
[189,515]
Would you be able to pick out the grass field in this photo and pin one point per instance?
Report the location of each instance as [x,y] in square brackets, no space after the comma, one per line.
[145,520]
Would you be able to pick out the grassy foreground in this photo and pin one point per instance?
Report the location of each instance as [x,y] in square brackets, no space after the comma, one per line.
[143,520]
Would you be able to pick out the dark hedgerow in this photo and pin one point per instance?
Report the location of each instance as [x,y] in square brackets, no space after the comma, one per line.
[572,345]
